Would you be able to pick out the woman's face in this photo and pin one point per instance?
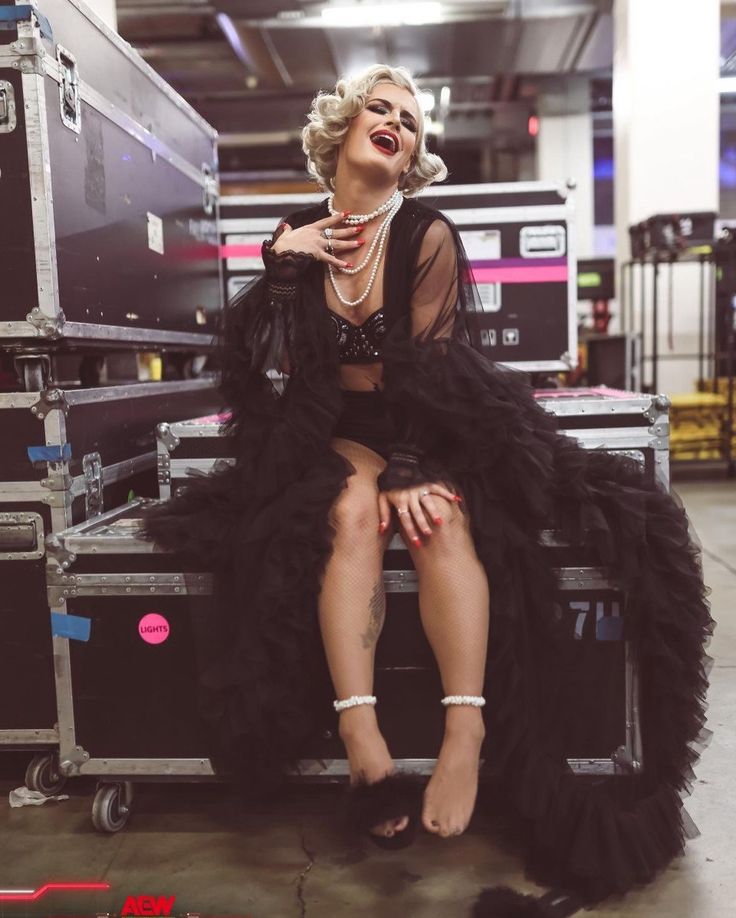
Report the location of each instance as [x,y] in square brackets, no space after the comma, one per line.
[382,137]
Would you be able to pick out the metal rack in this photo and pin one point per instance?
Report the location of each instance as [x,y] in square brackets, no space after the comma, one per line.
[642,304]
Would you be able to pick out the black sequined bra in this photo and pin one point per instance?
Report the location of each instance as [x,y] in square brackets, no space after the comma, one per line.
[359,343]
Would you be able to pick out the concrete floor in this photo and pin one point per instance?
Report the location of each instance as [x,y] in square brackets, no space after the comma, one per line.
[291,860]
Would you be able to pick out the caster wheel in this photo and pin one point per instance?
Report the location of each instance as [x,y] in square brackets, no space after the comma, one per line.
[111,807]
[33,372]
[43,774]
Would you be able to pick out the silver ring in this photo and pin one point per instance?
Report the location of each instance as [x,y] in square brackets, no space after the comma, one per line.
[327,233]
[329,249]
[424,493]
[402,511]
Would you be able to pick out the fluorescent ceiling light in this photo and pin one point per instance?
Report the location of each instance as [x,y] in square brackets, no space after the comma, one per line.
[382,14]
[727,84]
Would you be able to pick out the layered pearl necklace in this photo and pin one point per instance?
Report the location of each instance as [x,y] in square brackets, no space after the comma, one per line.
[390,208]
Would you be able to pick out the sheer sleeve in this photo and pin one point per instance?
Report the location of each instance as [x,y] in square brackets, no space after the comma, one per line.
[258,326]
[436,298]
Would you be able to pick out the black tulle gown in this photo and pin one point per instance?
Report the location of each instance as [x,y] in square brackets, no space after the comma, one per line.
[262,526]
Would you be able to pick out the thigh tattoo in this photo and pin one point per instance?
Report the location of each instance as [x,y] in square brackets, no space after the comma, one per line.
[377,612]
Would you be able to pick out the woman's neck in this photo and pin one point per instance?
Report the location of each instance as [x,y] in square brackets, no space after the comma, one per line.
[359,198]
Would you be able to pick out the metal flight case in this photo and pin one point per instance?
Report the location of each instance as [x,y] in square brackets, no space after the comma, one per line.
[109,193]
[632,424]
[67,454]
[118,604]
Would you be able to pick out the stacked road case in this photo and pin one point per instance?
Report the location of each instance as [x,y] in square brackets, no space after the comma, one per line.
[108,243]
[520,241]
[114,595]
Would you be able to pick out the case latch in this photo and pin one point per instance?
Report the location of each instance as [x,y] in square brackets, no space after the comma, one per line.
[93,484]
[69,101]
[210,190]
[7,107]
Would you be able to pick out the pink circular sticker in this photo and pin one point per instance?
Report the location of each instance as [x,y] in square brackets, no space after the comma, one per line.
[153,628]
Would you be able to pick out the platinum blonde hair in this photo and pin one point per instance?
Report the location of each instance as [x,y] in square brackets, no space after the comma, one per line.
[330,116]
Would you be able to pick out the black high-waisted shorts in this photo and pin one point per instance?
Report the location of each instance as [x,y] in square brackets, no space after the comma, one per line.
[364,418]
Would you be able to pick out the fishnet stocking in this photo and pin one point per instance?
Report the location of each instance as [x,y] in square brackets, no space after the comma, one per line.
[453,602]
[453,605]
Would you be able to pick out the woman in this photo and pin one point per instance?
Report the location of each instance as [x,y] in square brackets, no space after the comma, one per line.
[391,416]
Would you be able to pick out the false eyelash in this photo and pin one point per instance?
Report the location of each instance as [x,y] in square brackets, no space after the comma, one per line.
[374,106]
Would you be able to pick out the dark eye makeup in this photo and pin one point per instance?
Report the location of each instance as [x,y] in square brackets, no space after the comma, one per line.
[381,107]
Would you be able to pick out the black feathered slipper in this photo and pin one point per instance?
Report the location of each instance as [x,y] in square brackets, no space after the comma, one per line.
[396,795]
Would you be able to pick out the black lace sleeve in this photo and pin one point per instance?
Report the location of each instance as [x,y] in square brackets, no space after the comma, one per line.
[283,270]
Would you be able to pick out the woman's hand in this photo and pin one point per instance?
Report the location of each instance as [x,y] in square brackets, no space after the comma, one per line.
[415,507]
[309,239]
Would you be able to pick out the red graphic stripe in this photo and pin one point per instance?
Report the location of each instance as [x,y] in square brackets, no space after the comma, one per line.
[10,896]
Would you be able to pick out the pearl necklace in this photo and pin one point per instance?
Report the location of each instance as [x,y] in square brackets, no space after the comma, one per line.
[358,219]
[379,238]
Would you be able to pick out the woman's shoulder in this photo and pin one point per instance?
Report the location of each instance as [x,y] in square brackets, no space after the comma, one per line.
[427,217]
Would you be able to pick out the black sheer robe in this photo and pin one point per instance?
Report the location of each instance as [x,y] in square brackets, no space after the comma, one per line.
[262,526]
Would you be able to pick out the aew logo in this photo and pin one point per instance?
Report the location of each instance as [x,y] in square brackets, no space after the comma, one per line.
[148,905]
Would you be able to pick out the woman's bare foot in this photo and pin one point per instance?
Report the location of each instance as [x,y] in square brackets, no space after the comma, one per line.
[368,756]
[450,795]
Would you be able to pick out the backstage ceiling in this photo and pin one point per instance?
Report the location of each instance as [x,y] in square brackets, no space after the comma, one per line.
[251,66]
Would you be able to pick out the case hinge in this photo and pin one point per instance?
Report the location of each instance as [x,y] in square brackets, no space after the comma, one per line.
[93,484]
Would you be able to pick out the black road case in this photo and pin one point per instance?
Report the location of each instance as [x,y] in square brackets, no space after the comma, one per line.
[520,240]
[118,604]
[632,424]
[109,194]
[66,455]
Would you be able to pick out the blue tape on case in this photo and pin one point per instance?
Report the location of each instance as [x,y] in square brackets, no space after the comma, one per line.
[54,453]
[73,627]
[10,15]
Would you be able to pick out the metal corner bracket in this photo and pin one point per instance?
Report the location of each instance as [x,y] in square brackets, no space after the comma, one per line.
[48,326]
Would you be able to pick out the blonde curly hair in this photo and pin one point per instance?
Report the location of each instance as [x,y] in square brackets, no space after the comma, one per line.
[329,119]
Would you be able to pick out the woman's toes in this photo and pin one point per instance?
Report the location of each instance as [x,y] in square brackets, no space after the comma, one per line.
[391,827]
[401,824]
[430,824]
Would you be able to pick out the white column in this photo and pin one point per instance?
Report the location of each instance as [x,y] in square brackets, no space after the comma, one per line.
[565,149]
[666,141]
[106,10]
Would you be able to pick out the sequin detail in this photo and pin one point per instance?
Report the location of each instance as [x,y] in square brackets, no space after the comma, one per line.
[359,343]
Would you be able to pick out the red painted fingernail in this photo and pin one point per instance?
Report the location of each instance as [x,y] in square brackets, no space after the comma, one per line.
[361,241]
[348,264]
[381,526]
[457,498]
[417,542]
[438,520]
[346,213]
[359,229]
